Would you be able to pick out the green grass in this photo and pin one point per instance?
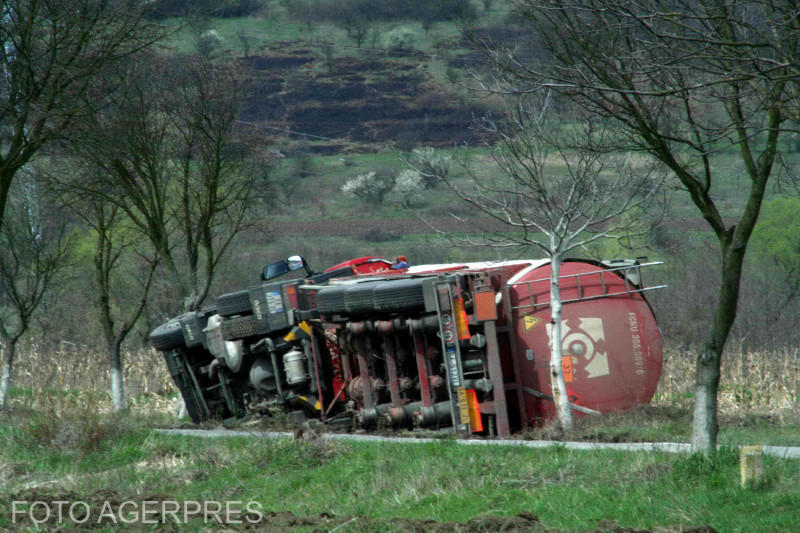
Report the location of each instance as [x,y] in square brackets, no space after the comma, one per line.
[330,173]
[441,481]
[86,441]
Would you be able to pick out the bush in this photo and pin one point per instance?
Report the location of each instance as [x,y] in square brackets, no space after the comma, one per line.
[370,188]
[433,166]
[398,40]
[379,235]
[209,42]
[70,425]
[408,186]
[303,166]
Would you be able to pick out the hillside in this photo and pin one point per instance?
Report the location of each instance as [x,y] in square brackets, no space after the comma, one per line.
[332,107]
[406,83]
[354,103]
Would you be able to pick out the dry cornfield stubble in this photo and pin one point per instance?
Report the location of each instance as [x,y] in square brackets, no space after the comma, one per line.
[76,374]
[753,382]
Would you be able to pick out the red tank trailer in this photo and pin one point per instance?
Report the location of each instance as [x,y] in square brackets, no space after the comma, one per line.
[464,346]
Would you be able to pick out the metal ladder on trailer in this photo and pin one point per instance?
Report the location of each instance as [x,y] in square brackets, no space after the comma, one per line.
[628,273]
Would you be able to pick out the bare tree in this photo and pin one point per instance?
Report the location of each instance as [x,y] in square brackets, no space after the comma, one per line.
[51,55]
[172,158]
[218,166]
[557,191]
[32,252]
[123,276]
[356,20]
[682,81]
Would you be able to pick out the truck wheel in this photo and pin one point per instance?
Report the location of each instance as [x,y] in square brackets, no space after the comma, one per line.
[168,335]
[178,369]
[234,303]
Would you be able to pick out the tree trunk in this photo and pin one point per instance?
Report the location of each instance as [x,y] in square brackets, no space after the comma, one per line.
[179,285]
[7,372]
[709,361]
[707,372]
[117,381]
[559,387]
[6,176]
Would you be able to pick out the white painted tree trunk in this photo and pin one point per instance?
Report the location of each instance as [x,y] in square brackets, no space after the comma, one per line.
[117,382]
[705,425]
[559,386]
[5,378]
[702,437]
[182,412]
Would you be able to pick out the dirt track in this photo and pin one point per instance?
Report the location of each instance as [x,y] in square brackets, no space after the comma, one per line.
[784,452]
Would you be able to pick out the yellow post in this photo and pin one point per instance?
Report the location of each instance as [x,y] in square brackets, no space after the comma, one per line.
[751,465]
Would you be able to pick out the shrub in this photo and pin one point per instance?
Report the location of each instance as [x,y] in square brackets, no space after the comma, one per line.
[408,186]
[433,166]
[379,235]
[303,166]
[71,424]
[370,188]
[209,42]
[398,40]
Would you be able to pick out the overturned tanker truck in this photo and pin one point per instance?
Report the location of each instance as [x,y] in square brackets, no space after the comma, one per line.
[463,346]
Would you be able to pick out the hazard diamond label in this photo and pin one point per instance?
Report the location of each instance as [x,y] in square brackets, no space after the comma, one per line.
[529,321]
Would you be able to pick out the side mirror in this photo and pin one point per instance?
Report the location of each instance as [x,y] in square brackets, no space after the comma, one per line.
[274,270]
[284,266]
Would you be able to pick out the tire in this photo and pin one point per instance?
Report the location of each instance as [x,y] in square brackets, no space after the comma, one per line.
[168,335]
[243,327]
[179,370]
[234,303]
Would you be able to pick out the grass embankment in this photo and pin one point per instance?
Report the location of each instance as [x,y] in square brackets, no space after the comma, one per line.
[383,487]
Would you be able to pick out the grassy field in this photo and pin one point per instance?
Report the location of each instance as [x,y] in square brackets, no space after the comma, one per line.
[314,484]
